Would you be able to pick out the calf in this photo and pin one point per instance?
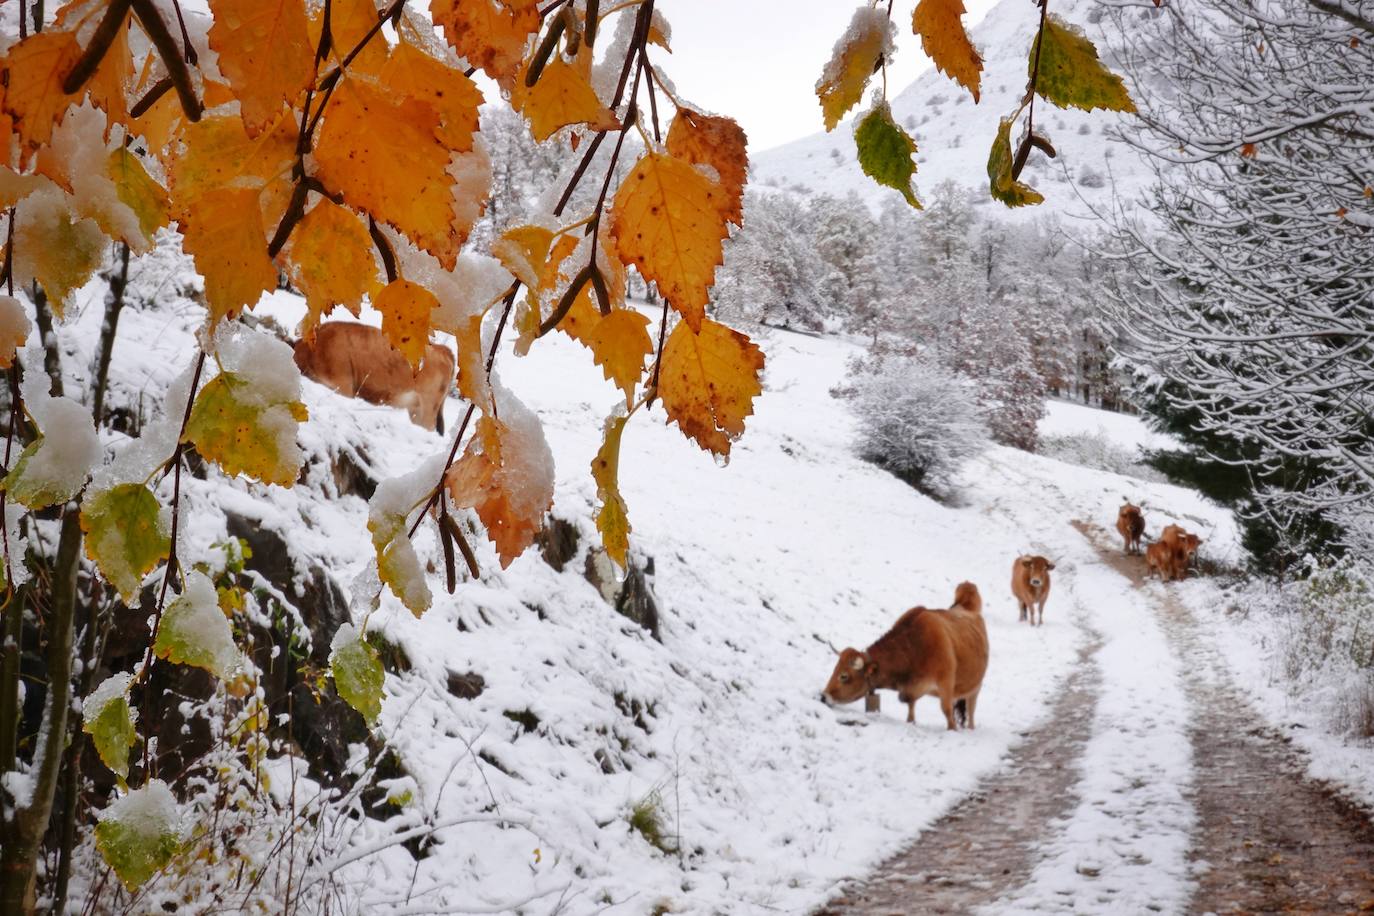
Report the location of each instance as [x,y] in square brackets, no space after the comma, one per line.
[358,361]
[1030,583]
[1130,522]
[941,653]
[1159,561]
[1182,546]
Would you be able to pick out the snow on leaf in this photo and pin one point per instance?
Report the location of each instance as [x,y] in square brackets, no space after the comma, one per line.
[14,329]
[669,219]
[126,535]
[506,474]
[55,246]
[227,240]
[265,53]
[140,193]
[32,72]
[718,142]
[384,156]
[886,152]
[450,92]
[866,42]
[562,96]
[1004,188]
[390,513]
[708,383]
[54,467]
[357,671]
[331,262]
[1069,73]
[940,25]
[524,250]
[406,308]
[490,34]
[194,631]
[246,418]
[140,833]
[107,718]
[612,519]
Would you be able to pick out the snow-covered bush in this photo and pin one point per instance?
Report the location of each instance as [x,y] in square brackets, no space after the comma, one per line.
[1095,450]
[916,419]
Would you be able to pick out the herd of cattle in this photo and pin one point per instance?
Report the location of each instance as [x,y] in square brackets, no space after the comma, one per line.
[944,653]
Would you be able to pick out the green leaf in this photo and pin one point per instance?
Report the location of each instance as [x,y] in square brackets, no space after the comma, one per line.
[1004,187]
[357,671]
[140,833]
[107,718]
[233,426]
[126,535]
[194,631]
[1069,73]
[885,152]
[612,519]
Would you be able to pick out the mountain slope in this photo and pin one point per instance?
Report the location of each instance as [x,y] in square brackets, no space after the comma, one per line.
[954,135]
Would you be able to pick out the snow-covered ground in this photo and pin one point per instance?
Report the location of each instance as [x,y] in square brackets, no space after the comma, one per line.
[1069,418]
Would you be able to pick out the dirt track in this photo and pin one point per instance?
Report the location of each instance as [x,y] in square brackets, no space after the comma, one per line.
[1268,840]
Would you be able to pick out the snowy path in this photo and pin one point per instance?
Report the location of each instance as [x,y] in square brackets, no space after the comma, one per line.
[1148,789]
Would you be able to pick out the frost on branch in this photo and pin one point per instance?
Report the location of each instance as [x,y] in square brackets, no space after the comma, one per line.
[140,833]
[194,631]
[107,718]
[54,467]
[357,671]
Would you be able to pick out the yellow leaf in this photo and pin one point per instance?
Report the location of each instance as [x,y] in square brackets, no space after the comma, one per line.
[619,342]
[231,425]
[453,95]
[227,240]
[218,154]
[383,155]
[108,86]
[349,21]
[1008,190]
[718,142]
[55,246]
[509,490]
[264,51]
[405,308]
[490,34]
[708,382]
[524,250]
[668,220]
[330,258]
[1068,73]
[940,25]
[137,191]
[32,72]
[612,518]
[562,96]
[853,61]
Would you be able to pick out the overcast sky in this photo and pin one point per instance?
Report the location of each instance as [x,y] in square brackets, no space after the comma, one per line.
[758,60]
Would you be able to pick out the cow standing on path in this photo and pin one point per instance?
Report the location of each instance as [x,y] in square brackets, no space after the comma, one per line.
[1030,583]
[1130,522]
[944,653]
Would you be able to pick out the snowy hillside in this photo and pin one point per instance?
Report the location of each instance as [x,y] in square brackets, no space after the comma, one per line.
[953,134]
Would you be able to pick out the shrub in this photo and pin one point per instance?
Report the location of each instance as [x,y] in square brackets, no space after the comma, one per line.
[916,419]
[1094,450]
[646,819]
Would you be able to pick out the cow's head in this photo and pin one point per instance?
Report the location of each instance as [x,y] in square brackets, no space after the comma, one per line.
[1128,511]
[1191,542]
[849,681]
[1037,569]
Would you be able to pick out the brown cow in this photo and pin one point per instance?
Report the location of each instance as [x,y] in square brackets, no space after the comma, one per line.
[1182,546]
[1030,583]
[357,360]
[1159,561]
[1130,522]
[941,653]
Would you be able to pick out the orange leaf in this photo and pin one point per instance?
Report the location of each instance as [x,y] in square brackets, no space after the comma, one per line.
[109,85]
[620,343]
[1249,150]
[668,219]
[405,308]
[708,382]
[490,34]
[717,142]
[264,51]
[227,240]
[562,96]
[219,154]
[33,71]
[509,489]
[524,250]
[383,155]
[349,21]
[331,262]
[940,25]
[452,94]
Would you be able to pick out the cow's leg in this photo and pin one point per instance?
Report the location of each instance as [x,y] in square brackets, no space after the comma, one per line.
[947,707]
[972,702]
[1023,610]
[911,711]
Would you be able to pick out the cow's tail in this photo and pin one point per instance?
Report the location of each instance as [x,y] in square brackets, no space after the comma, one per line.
[961,712]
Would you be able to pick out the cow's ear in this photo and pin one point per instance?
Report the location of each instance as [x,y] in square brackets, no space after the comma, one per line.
[1049,565]
[858,663]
